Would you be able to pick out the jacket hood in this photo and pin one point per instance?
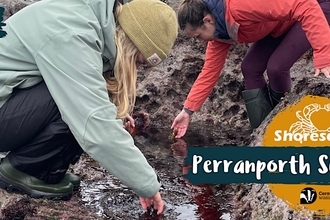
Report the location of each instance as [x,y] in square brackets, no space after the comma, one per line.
[103,10]
[218,11]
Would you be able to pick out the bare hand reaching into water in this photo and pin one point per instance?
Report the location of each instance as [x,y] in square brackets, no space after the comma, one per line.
[181,123]
[156,200]
[325,71]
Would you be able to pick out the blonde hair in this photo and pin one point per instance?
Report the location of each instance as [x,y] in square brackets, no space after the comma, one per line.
[122,86]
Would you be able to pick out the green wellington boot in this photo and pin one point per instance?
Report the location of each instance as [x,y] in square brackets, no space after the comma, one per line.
[13,180]
[74,179]
[258,105]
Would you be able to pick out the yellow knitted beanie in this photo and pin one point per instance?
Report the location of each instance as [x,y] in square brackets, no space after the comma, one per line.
[152,27]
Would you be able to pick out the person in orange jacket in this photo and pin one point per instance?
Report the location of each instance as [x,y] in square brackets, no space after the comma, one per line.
[281,32]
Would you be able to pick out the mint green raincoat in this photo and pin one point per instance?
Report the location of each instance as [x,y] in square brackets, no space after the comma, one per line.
[69,44]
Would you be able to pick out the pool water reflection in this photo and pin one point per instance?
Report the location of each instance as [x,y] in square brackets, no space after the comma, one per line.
[182,199]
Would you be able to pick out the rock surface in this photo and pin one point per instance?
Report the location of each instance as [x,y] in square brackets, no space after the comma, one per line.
[161,92]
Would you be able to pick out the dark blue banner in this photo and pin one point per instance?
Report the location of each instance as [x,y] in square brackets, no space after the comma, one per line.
[232,164]
[2,32]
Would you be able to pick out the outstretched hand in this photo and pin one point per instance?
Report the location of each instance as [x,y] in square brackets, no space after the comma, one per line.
[129,123]
[156,200]
[181,123]
[325,71]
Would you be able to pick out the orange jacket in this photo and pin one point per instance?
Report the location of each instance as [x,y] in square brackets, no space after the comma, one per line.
[250,21]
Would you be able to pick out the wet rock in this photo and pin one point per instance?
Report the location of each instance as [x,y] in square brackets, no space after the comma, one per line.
[161,92]
[19,209]
[13,6]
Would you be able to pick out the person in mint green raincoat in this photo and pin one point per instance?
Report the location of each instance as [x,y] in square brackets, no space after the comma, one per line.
[68,82]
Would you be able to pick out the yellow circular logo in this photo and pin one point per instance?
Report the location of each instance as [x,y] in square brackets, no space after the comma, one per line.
[304,123]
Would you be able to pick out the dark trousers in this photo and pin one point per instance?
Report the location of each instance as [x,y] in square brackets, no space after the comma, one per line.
[37,139]
[277,56]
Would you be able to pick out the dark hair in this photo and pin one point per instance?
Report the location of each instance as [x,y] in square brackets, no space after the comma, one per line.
[192,12]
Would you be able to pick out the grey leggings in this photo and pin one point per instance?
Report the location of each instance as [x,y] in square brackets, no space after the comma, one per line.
[277,56]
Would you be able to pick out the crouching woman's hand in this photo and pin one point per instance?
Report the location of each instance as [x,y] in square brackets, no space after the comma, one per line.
[156,200]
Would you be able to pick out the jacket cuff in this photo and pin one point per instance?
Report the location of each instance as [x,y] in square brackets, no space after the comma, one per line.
[188,111]
[321,63]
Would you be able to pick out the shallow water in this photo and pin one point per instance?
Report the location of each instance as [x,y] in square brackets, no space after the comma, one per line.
[182,199]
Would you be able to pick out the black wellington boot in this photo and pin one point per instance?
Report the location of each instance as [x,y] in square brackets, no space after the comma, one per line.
[258,105]
[277,96]
[13,180]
